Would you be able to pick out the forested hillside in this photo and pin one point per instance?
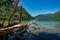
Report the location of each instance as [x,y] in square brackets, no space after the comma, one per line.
[6,6]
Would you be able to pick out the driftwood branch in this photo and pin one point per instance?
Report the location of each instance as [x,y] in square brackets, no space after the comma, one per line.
[9,29]
[12,12]
[20,19]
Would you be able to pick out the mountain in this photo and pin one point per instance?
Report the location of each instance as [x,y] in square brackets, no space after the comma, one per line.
[7,7]
[49,17]
[44,17]
[26,15]
[57,16]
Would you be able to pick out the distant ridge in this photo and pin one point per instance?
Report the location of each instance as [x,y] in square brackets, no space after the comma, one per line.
[49,17]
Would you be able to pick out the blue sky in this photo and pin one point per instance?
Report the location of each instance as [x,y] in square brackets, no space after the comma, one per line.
[36,7]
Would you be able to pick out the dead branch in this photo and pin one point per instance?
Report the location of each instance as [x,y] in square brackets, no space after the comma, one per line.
[12,12]
[20,19]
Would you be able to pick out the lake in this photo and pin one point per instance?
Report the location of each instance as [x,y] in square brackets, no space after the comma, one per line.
[49,24]
[41,35]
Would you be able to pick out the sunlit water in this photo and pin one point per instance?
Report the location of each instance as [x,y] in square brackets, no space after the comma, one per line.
[48,24]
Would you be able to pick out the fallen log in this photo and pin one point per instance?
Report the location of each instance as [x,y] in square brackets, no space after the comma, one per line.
[10,29]
[12,24]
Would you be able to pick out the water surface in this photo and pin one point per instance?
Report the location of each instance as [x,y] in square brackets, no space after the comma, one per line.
[49,24]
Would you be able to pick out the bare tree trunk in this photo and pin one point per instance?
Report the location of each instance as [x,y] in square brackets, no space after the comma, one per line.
[12,12]
[20,18]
